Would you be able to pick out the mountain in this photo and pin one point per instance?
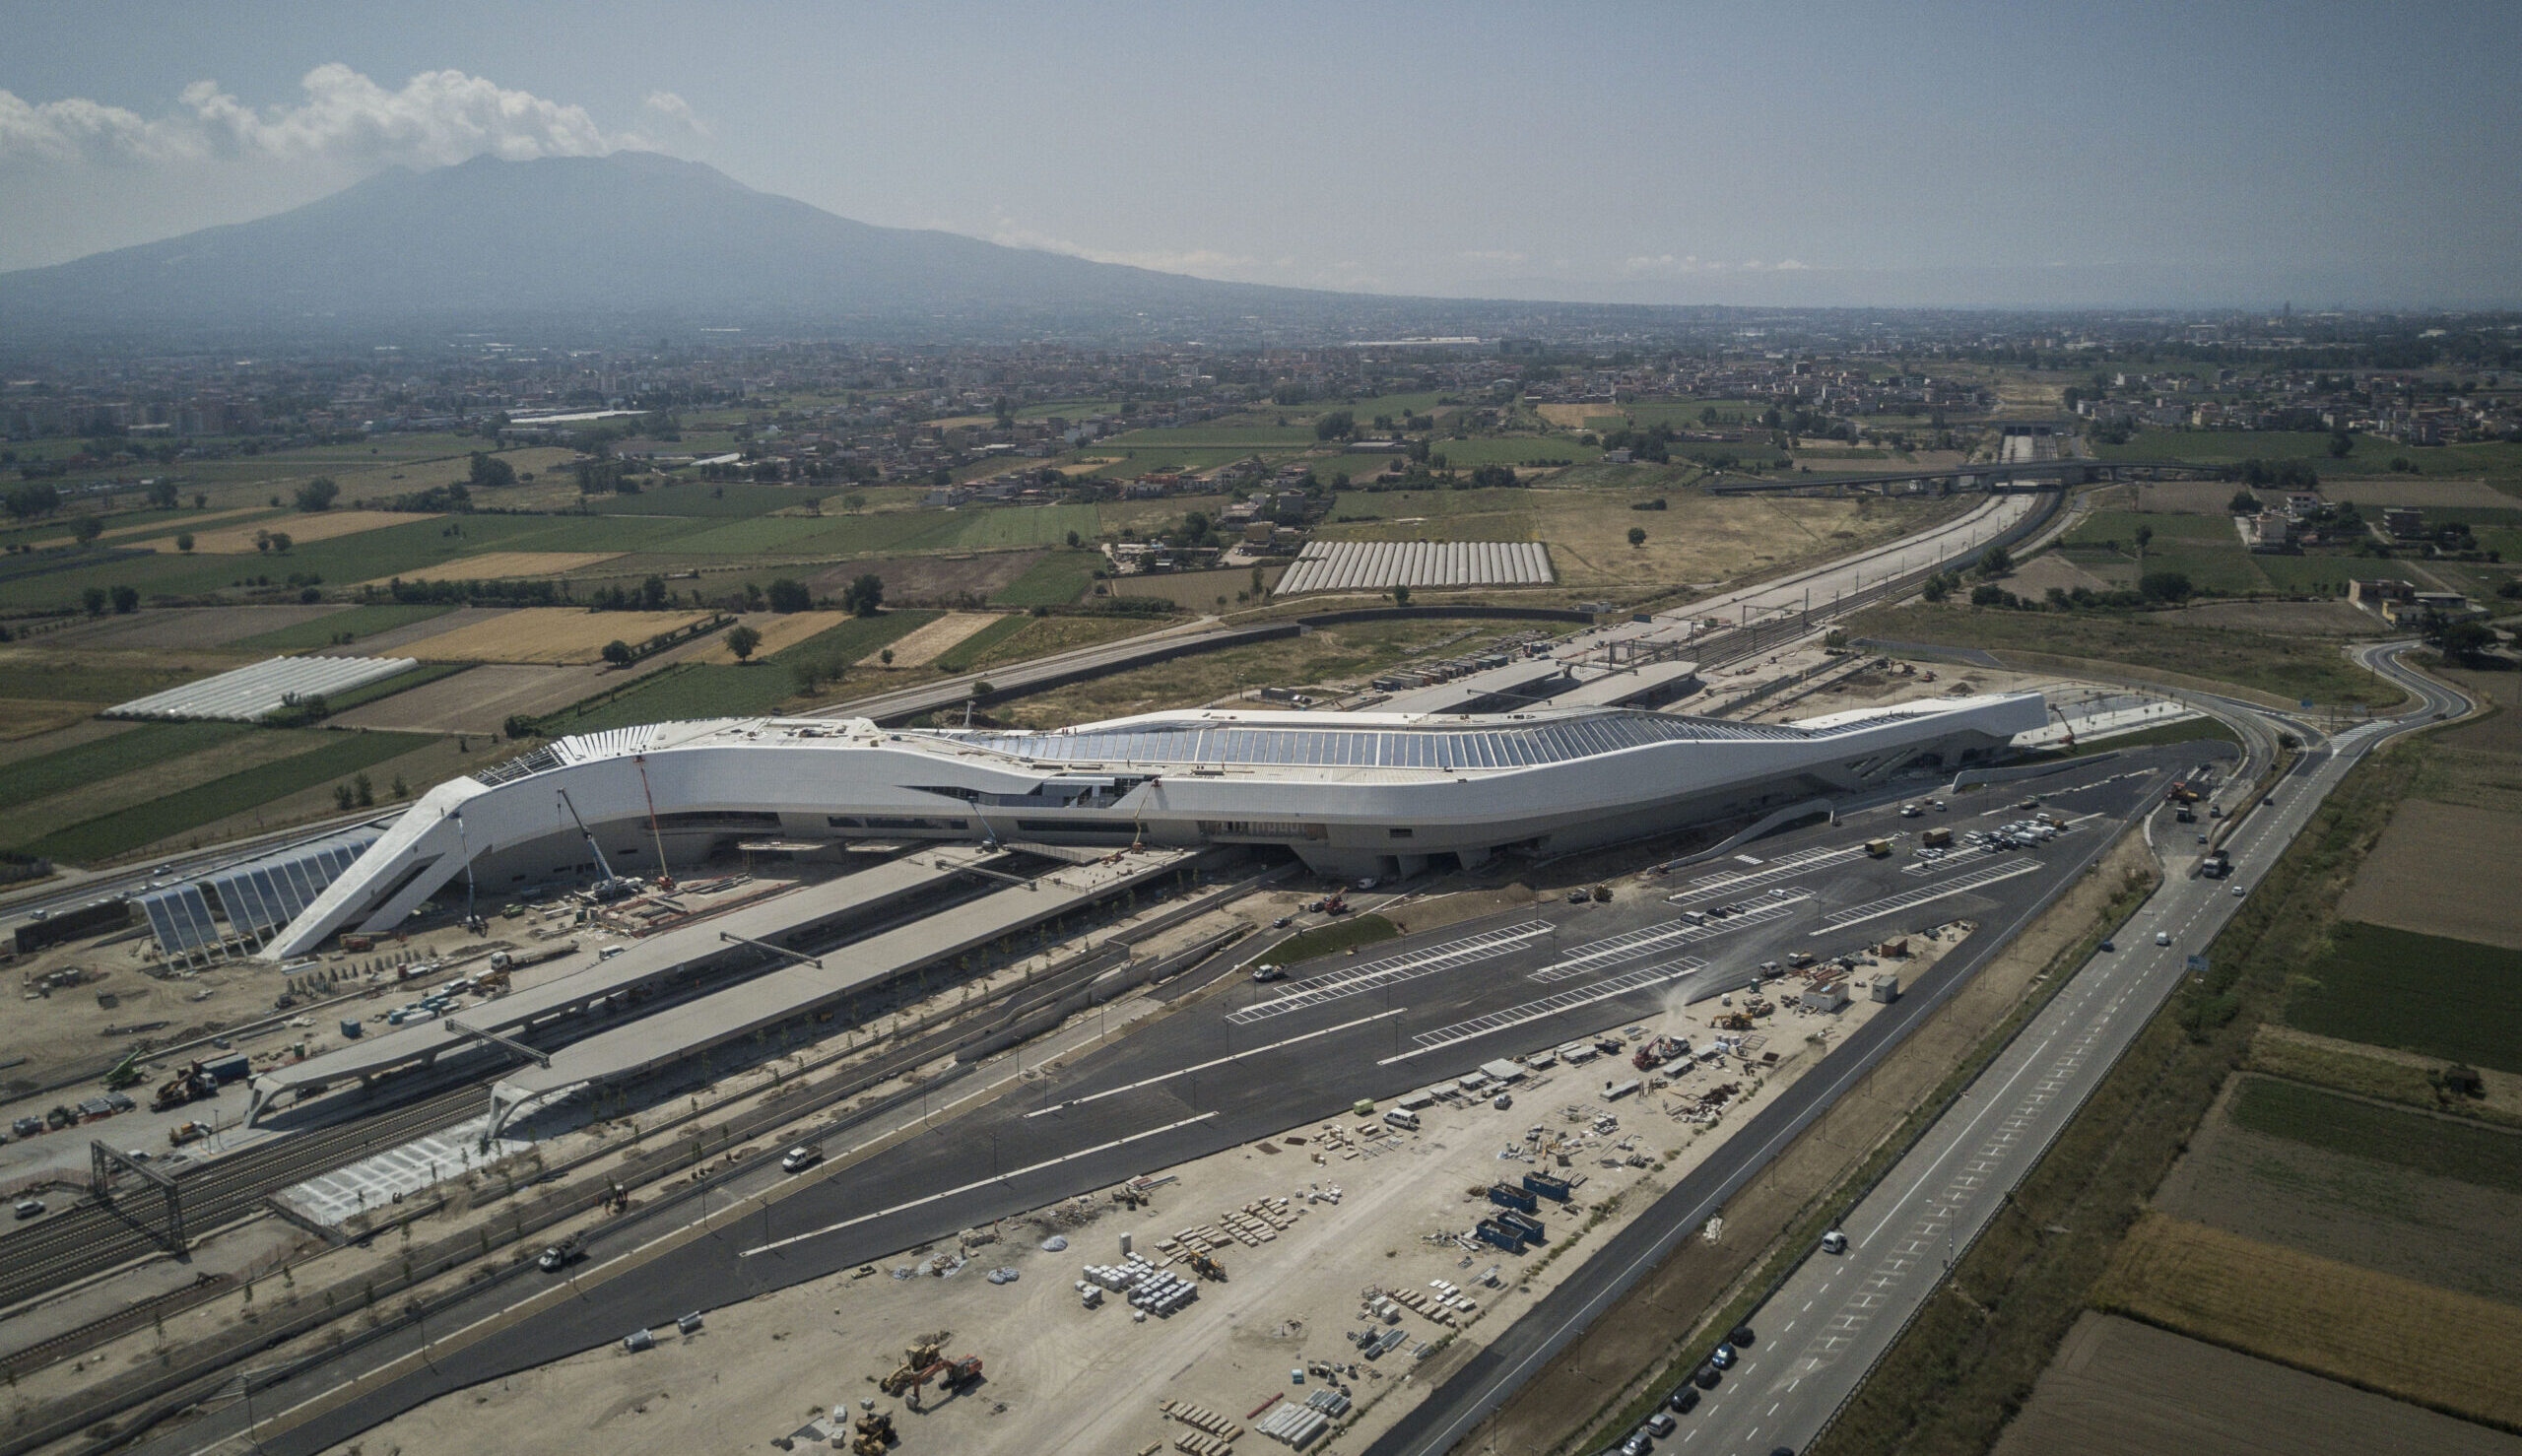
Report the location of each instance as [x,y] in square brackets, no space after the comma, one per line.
[633,237]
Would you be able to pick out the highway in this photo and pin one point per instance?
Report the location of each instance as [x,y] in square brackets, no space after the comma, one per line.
[1833,1320]
[1220,1072]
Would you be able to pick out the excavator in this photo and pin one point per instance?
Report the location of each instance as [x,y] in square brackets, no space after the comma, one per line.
[951,1377]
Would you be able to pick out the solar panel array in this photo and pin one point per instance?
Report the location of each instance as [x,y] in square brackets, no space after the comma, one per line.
[249,693]
[1521,747]
[1339,565]
[257,898]
[181,920]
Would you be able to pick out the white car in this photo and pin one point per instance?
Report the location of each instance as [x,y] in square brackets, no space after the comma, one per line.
[2237,891]
[2162,937]
[801,1159]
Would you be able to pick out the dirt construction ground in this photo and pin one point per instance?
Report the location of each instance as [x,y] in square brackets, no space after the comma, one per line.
[499,566]
[2119,1388]
[1062,1378]
[302,528]
[1657,1316]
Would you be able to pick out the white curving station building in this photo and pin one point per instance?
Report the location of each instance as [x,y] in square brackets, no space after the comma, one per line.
[1349,794]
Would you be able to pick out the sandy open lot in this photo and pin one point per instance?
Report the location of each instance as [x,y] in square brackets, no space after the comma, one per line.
[2119,1388]
[480,699]
[499,566]
[922,645]
[2443,869]
[25,717]
[2034,577]
[777,630]
[541,634]
[322,525]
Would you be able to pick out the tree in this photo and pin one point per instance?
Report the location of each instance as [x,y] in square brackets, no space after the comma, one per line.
[1637,535]
[490,469]
[1072,541]
[2341,445]
[618,652]
[183,540]
[95,599]
[363,789]
[319,494]
[789,594]
[740,640]
[1337,424]
[885,657]
[26,503]
[87,528]
[1997,563]
[2464,642]
[2164,586]
[2243,503]
[1401,596]
[864,596]
[163,494]
[1938,588]
[126,600]
[280,543]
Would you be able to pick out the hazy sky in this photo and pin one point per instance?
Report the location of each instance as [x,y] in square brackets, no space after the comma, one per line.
[1892,154]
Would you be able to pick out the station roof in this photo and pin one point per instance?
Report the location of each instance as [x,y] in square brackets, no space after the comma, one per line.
[650,960]
[1622,686]
[681,1030]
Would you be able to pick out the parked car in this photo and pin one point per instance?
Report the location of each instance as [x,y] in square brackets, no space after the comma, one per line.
[1661,1424]
[2111,945]
[1722,1357]
[1639,1442]
[1707,1378]
[1741,1336]
[27,1207]
[1683,1399]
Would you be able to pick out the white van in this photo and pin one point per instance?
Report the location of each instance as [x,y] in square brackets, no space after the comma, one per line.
[1403,1119]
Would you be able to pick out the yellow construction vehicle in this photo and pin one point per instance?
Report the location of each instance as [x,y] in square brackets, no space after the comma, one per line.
[1206,1267]
[919,1360]
[873,1433]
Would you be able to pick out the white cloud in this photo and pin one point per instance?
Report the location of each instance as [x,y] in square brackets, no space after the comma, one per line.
[1508,256]
[436,119]
[676,110]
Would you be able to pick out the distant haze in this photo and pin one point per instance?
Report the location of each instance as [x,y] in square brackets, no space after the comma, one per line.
[1994,154]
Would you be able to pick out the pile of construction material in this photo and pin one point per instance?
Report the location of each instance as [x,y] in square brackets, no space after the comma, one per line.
[1219,1434]
[1297,1426]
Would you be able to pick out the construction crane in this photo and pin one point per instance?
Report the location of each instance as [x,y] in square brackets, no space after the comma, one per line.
[2068,728]
[611,886]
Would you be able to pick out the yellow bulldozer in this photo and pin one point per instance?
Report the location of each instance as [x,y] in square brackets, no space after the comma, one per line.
[873,1434]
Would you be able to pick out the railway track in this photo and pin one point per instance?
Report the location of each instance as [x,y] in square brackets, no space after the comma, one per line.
[91,1238]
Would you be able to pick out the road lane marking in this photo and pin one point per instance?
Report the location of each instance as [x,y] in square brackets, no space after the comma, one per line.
[1111,1092]
[1547,1007]
[781,1244]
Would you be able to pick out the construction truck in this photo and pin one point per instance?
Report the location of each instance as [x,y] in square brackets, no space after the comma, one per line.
[510,960]
[124,1073]
[187,1132]
[2181,793]
[2217,865]
[873,1434]
[1206,1267]
[920,1360]
[1879,849]
[194,1082]
[1655,1053]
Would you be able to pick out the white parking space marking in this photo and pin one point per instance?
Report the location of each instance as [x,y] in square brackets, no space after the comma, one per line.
[1909,899]
[1548,1006]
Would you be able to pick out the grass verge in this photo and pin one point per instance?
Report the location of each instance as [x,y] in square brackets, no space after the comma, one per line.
[1331,938]
[1969,1358]
[143,824]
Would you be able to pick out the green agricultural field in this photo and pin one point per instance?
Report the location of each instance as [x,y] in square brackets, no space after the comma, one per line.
[2120,526]
[325,630]
[1057,579]
[873,534]
[1215,435]
[99,677]
[427,672]
[143,824]
[2324,1119]
[1508,449]
[2428,994]
[728,501]
[684,690]
[840,646]
[142,746]
[966,654]
[1012,527]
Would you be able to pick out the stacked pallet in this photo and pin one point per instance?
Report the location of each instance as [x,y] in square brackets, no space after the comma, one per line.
[1220,1430]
